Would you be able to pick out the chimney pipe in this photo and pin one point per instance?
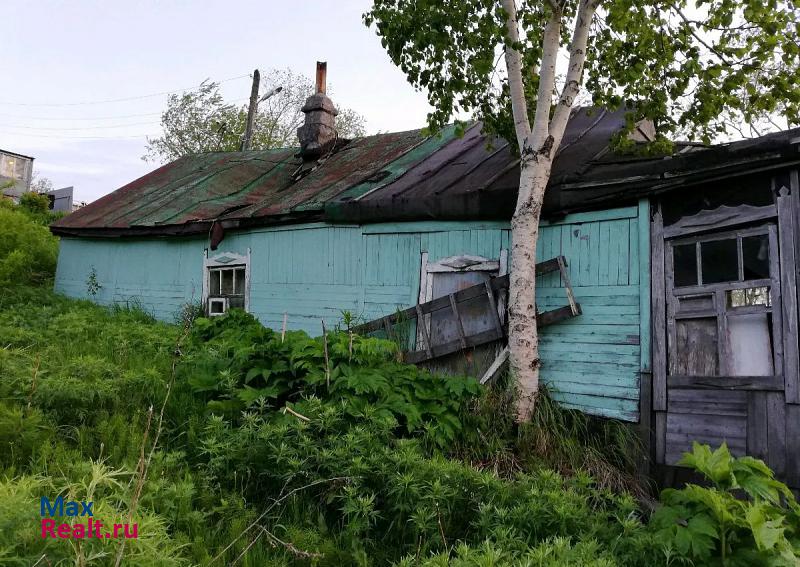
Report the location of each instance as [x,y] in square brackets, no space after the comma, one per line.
[317,135]
[322,73]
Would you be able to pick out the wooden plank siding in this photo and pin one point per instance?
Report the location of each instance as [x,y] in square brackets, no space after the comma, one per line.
[593,362]
[316,271]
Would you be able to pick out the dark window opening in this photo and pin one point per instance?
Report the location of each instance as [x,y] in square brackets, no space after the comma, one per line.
[720,261]
[685,262]
[755,257]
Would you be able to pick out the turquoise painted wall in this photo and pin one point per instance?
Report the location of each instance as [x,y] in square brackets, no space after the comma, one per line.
[316,271]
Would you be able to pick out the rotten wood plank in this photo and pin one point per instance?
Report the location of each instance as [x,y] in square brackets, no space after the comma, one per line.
[661,436]
[543,319]
[562,267]
[496,367]
[757,425]
[425,333]
[776,432]
[493,307]
[443,349]
[763,383]
[786,240]
[459,323]
[659,315]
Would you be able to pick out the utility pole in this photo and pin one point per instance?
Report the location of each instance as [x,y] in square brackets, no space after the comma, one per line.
[251,112]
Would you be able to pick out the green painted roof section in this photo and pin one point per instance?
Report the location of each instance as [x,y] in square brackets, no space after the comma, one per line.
[249,185]
[395,169]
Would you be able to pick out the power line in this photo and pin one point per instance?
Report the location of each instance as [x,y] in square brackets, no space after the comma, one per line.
[139,97]
[80,127]
[116,117]
[95,118]
[25,134]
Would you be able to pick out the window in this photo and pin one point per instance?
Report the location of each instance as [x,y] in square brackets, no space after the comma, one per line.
[720,304]
[450,275]
[7,167]
[713,260]
[226,283]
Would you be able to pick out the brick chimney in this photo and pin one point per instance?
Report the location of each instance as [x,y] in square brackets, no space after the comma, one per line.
[318,133]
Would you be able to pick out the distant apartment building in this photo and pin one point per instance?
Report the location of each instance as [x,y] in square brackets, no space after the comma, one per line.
[16,171]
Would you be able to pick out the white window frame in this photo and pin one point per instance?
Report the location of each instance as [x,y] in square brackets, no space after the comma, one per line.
[458,263]
[225,305]
[225,260]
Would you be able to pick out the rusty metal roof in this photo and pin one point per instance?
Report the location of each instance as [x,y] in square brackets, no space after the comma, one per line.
[244,188]
[441,176]
[397,176]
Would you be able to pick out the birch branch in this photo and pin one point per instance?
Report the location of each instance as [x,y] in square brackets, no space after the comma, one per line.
[522,126]
[577,58]
[551,41]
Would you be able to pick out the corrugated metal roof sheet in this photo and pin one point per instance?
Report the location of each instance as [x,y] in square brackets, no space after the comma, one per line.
[397,176]
[241,185]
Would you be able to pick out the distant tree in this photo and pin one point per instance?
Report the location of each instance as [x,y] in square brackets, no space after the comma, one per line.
[201,121]
[40,184]
[34,203]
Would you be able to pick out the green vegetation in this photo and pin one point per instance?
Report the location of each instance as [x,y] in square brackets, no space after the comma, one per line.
[28,251]
[231,445]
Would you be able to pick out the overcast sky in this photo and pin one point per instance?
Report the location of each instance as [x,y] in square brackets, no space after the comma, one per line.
[62,59]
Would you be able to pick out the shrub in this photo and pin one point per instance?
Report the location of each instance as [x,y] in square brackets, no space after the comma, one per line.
[240,365]
[745,517]
[28,252]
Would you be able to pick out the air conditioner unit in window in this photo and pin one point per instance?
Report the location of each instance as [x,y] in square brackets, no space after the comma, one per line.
[217,306]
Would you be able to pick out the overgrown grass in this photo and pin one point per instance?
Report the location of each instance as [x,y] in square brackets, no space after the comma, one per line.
[273,453]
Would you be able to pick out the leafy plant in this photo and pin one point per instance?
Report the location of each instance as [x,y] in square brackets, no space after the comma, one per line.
[745,516]
[93,285]
[240,365]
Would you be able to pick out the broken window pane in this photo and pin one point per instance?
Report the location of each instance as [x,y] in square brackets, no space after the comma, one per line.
[215,282]
[748,297]
[720,261]
[696,347]
[227,282]
[750,344]
[755,257]
[239,283]
[685,264]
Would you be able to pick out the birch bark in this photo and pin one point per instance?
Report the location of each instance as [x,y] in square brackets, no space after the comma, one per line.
[538,144]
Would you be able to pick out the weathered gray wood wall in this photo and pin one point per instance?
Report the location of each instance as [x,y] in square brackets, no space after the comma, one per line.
[698,392]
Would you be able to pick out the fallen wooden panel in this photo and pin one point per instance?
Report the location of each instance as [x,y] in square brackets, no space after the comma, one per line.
[492,290]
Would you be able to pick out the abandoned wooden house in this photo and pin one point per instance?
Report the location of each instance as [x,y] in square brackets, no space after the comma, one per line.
[669,283]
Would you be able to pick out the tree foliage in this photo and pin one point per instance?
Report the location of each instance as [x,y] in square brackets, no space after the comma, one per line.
[202,121]
[695,67]
[28,252]
[40,183]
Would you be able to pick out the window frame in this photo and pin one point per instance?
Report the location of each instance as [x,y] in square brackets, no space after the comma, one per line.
[718,293]
[221,262]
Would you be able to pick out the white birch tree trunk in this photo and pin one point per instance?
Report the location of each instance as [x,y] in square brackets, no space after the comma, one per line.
[523,339]
[538,145]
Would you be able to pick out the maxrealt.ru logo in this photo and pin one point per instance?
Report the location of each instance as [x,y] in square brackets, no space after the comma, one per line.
[79,530]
